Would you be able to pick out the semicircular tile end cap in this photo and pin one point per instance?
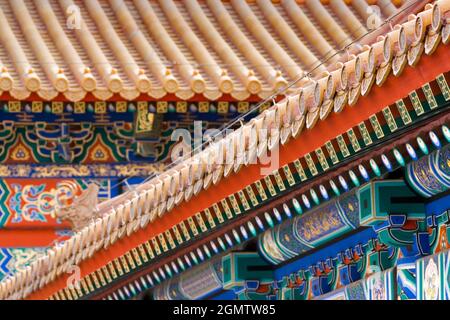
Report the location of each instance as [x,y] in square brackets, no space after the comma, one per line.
[353,95]
[253,85]
[414,54]
[297,127]
[340,101]
[446,34]
[32,82]
[198,85]
[61,83]
[398,64]
[285,135]
[419,30]
[436,18]
[170,83]
[431,43]
[225,84]
[6,82]
[320,88]
[143,84]
[88,82]
[325,109]
[115,84]
[311,118]
[382,74]
[207,181]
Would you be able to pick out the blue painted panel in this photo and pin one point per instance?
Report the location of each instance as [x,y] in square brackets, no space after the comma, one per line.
[329,251]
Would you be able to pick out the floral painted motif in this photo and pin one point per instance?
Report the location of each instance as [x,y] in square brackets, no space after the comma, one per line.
[25,203]
[35,203]
[35,200]
[431,281]
[430,175]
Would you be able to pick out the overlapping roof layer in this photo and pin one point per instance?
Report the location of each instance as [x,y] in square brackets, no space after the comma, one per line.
[210,47]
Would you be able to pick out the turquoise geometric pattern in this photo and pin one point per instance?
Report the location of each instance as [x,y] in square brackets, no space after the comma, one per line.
[14,259]
[4,211]
[406,282]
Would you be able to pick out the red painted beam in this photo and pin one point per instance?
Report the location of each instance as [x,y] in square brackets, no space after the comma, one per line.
[24,238]
[428,68]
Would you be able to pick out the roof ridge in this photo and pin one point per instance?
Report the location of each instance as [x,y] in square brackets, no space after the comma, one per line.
[118,61]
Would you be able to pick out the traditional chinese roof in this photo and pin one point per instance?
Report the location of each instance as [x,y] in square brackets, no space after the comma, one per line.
[134,47]
[297,117]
